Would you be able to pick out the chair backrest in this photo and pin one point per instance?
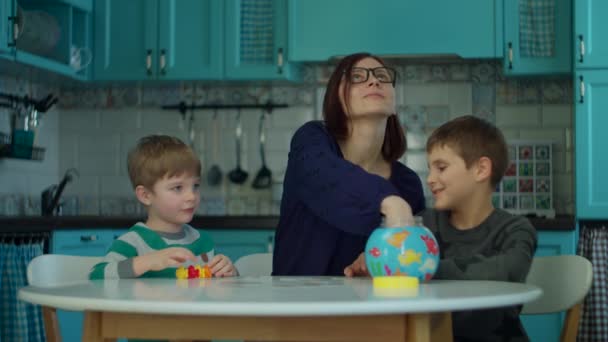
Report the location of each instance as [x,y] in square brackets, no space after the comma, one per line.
[259,264]
[56,269]
[564,279]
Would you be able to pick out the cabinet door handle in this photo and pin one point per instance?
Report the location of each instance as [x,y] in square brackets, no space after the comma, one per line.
[581,90]
[510,54]
[581,48]
[149,62]
[15,31]
[88,238]
[162,61]
[280,61]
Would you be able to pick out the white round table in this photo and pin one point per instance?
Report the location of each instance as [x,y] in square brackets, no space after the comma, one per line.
[274,308]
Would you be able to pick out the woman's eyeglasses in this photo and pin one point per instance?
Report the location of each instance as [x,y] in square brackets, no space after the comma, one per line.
[382,74]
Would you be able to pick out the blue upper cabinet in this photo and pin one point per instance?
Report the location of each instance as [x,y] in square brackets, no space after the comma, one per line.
[190,36]
[590,34]
[537,38]
[125,39]
[256,41]
[591,96]
[48,35]
[164,39]
[321,29]
[7,19]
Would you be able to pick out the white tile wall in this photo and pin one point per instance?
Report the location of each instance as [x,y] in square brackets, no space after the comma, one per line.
[96,140]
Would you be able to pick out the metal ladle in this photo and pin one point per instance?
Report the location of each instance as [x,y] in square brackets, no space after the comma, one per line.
[238,175]
[263,179]
[214,175]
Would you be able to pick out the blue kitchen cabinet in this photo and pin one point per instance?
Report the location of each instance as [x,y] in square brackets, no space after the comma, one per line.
[591,49]
[82,242]
[124,39]
[519,60]
[541,328]
[256,41]
[321,29]
[591,123]
[158,39]
[7,39]
[235,243]
[68,26]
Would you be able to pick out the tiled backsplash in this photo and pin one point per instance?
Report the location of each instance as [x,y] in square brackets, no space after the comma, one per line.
[98,124]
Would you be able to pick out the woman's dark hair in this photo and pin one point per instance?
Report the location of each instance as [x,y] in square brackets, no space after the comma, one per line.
[336,120]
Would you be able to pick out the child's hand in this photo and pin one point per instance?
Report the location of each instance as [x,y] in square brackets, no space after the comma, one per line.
[397,212]
[221,266]
[357,268]
[159,260]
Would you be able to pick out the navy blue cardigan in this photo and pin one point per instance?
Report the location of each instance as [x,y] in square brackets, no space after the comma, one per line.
[330,206]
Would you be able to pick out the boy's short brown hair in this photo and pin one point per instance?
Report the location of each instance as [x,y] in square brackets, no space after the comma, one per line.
[158,156]
[473,138]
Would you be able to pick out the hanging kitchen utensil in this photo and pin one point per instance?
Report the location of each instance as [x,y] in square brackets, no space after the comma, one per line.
[214,175]
[238,175]
[263,179]
[191,132]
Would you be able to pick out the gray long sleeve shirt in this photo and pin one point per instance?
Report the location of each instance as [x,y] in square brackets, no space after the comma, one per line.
[500,248]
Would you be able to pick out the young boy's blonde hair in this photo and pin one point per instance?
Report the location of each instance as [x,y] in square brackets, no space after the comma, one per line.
[472,138]
[158,156]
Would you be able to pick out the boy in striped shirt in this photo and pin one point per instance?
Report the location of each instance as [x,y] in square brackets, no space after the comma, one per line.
[165,174]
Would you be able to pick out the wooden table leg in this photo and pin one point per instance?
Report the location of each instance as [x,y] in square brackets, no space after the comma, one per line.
[425,327]
[51,326]
[92,328]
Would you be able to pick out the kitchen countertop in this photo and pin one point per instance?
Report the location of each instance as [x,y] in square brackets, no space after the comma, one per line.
[39,223]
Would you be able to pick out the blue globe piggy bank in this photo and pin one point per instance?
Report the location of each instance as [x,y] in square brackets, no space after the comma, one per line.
[408,251]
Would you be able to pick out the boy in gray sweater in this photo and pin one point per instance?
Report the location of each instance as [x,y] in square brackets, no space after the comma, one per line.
[467,158]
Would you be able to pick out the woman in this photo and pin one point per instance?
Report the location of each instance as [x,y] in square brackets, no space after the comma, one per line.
[343,175]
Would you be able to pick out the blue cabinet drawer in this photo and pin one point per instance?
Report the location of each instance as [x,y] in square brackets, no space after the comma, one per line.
[237,243]
[83,242]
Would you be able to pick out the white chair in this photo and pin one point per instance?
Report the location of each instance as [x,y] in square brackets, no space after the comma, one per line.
[49,270]
[259,264]
[565,281]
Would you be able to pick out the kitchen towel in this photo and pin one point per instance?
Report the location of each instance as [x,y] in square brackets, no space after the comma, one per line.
[536,28]
[593,245]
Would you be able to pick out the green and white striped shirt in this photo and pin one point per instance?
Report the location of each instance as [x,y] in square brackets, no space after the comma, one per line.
[141,240]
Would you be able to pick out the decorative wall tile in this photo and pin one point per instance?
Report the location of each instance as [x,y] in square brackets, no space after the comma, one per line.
[417,73]
[528,91]
[557,91]
[283,94]
[460,72]
[323,72]
[304,97]
[308,73]
[159,96]
[439,73]
[120,97]
[483,73]
[506,92]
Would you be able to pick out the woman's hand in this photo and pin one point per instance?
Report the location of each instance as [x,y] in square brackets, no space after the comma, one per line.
[221,266]
[159,260]
[397,212]
[357,268]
